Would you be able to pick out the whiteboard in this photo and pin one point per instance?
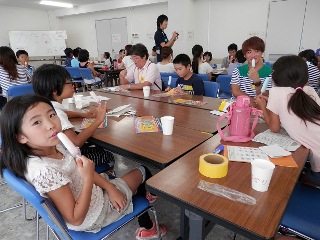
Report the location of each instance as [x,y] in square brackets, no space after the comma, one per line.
[284,29]
[39,43]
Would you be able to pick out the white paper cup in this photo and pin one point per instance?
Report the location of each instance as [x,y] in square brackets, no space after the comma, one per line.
[78,101]
[167,125]
[146,91]
[261,173]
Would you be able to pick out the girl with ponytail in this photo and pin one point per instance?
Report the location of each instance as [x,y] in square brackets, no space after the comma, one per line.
[294,105]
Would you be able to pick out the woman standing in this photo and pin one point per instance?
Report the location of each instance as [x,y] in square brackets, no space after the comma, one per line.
[160,38]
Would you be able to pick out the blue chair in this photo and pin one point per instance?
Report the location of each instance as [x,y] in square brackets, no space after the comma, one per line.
[88,78]
[75,76]
[165,79]
[19,90]
[224,86]
[55,222]
[210,89]
[204,77]
[302,215]
[267,64]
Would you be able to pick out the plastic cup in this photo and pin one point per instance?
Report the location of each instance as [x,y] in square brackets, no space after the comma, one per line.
[261,173]
[167,125]
[146,91]
[78,101]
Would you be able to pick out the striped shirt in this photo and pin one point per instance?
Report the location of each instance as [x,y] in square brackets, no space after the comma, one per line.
[314,76]
[240,77]
[6,82]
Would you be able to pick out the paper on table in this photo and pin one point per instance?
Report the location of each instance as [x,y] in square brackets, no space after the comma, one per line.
[275,151]
[281,138]
[218,113]
[244,154]
[247,155]
[91,99]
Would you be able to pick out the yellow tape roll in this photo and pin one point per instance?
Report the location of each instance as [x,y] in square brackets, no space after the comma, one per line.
[213,165]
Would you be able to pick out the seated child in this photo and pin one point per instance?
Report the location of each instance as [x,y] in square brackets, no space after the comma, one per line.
[69,56]
[188,81]
[23,59]
[86,200]
[294,105]
[75,61]
[53,82]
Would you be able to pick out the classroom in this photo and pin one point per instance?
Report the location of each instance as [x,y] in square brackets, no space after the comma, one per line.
[188,209]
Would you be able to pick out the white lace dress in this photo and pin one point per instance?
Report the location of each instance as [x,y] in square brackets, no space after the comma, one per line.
[47,174]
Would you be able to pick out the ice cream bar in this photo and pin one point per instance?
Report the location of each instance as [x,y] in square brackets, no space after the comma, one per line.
[265,85]
[94,96]
[253,63]
[169,81]
[75,151]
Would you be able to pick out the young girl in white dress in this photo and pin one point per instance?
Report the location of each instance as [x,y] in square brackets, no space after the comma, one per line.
[86,200]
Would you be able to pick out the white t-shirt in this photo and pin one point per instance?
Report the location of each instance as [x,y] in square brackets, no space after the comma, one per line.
[127,62]
[60,110]
[205,68]
[166,68]
[308,135]
[149,72]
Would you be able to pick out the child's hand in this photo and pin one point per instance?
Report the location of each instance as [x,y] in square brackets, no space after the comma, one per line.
[261,101]
[167,89]
[254,75]
[117,198]
[178,90]
[101,112]
[90,114]
[85,168]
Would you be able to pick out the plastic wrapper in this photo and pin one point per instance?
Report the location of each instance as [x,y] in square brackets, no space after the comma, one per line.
[229,193]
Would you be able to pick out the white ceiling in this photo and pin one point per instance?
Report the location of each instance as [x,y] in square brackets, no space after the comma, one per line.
[34,4]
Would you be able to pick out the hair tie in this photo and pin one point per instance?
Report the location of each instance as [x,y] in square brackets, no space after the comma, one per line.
[298,88]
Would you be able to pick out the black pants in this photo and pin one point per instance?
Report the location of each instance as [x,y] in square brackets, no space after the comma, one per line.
[97,154]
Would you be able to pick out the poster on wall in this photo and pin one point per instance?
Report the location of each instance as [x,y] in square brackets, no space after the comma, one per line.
[116,38]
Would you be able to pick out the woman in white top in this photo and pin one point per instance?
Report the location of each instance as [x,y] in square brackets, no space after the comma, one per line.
[199,67]
[11,73]
[126,61]
[166,65]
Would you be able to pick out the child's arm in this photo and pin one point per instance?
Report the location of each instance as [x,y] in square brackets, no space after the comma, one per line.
[82,137]
[272,119]
[73,210]
[74,114]
[117,198]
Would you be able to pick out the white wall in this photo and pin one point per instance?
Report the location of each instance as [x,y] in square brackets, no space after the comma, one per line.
[140,20]
[21,19]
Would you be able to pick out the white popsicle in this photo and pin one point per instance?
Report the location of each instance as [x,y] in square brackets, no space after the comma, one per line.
[169,81]
[94,96]
[265,85]
[75,151]
[253,63]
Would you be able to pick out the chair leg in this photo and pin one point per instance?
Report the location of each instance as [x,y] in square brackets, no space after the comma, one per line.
[37,225]
[153,210]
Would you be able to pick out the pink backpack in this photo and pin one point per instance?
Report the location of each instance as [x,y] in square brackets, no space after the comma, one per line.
[239,117]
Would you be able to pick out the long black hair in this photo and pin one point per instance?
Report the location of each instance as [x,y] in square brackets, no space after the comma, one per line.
[292,71]
[197,50]
[310,56]
[14,154]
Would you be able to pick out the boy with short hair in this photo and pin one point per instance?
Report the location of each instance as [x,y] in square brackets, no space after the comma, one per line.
[23,59]
[187,81]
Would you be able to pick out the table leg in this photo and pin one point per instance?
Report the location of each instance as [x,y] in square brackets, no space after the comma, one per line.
[184,225]
[198,226]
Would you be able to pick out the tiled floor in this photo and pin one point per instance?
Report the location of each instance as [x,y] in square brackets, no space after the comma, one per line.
[13,226]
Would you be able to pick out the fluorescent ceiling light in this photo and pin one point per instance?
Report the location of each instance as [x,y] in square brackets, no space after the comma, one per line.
[56,4]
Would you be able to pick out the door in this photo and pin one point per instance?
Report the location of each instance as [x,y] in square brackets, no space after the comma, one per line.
[111,36]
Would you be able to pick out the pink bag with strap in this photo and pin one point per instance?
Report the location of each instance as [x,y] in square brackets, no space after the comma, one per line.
[239,121]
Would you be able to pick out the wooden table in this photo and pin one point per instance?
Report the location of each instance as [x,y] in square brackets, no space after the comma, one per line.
[178,184]
[186,117]
[211,103]
[152,148]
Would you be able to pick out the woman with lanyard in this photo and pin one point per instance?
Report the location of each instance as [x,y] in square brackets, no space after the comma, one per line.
[160,38]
